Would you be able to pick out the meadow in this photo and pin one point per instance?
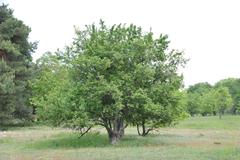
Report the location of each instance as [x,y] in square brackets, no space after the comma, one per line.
[196,138]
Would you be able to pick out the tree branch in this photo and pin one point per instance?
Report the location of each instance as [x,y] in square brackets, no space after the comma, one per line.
[149,129]
[83,133]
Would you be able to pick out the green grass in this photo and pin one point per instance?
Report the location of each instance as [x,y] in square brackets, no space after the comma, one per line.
[227,122]
[197,138]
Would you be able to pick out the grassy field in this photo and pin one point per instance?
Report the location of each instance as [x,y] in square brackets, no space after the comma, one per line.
[198,138]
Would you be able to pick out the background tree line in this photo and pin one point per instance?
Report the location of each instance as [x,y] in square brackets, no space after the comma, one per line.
[206,99]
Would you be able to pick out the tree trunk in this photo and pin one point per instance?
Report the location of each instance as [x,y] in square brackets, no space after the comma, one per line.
[220,115]
[116,132]
[214,113]
[113,138]
[120,127]
[145,131]
[234,110]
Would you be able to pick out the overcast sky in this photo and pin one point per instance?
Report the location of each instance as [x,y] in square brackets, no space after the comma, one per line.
[207,30]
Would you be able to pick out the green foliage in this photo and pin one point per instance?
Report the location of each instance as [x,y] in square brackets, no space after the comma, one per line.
[53,94]
[194,103]
[15,57]
[209,103]
[223,100]
[199,88]
[197,99]
[5,13]
[6,90]
[123,73]
[206,100]
[233,85]
[6,79]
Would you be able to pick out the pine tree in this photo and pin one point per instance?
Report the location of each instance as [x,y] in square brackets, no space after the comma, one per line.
[16,61]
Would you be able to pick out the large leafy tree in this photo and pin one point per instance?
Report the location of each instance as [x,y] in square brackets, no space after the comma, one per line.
[125,75]
[15,57]
[111,77]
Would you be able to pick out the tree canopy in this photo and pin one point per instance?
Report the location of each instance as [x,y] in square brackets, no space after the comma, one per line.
[119,75]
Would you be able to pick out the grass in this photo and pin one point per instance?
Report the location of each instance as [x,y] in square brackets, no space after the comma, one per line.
[227,122]
[197,138]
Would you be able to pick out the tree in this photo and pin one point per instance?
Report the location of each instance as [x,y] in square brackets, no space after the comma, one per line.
[224,100]
[209,105]
[126,76]
[200,88]
[199,99]
[194,103]
[233,85]
[111,77]
[206,100]
[15,57]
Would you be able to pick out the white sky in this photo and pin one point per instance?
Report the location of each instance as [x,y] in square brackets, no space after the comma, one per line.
[208,30]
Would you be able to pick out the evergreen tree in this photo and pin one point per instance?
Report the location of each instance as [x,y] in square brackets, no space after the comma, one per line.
[6,90]
[16,60]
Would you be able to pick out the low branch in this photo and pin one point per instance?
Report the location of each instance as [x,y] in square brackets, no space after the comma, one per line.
[150,129]
[110,125]
[83,133]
